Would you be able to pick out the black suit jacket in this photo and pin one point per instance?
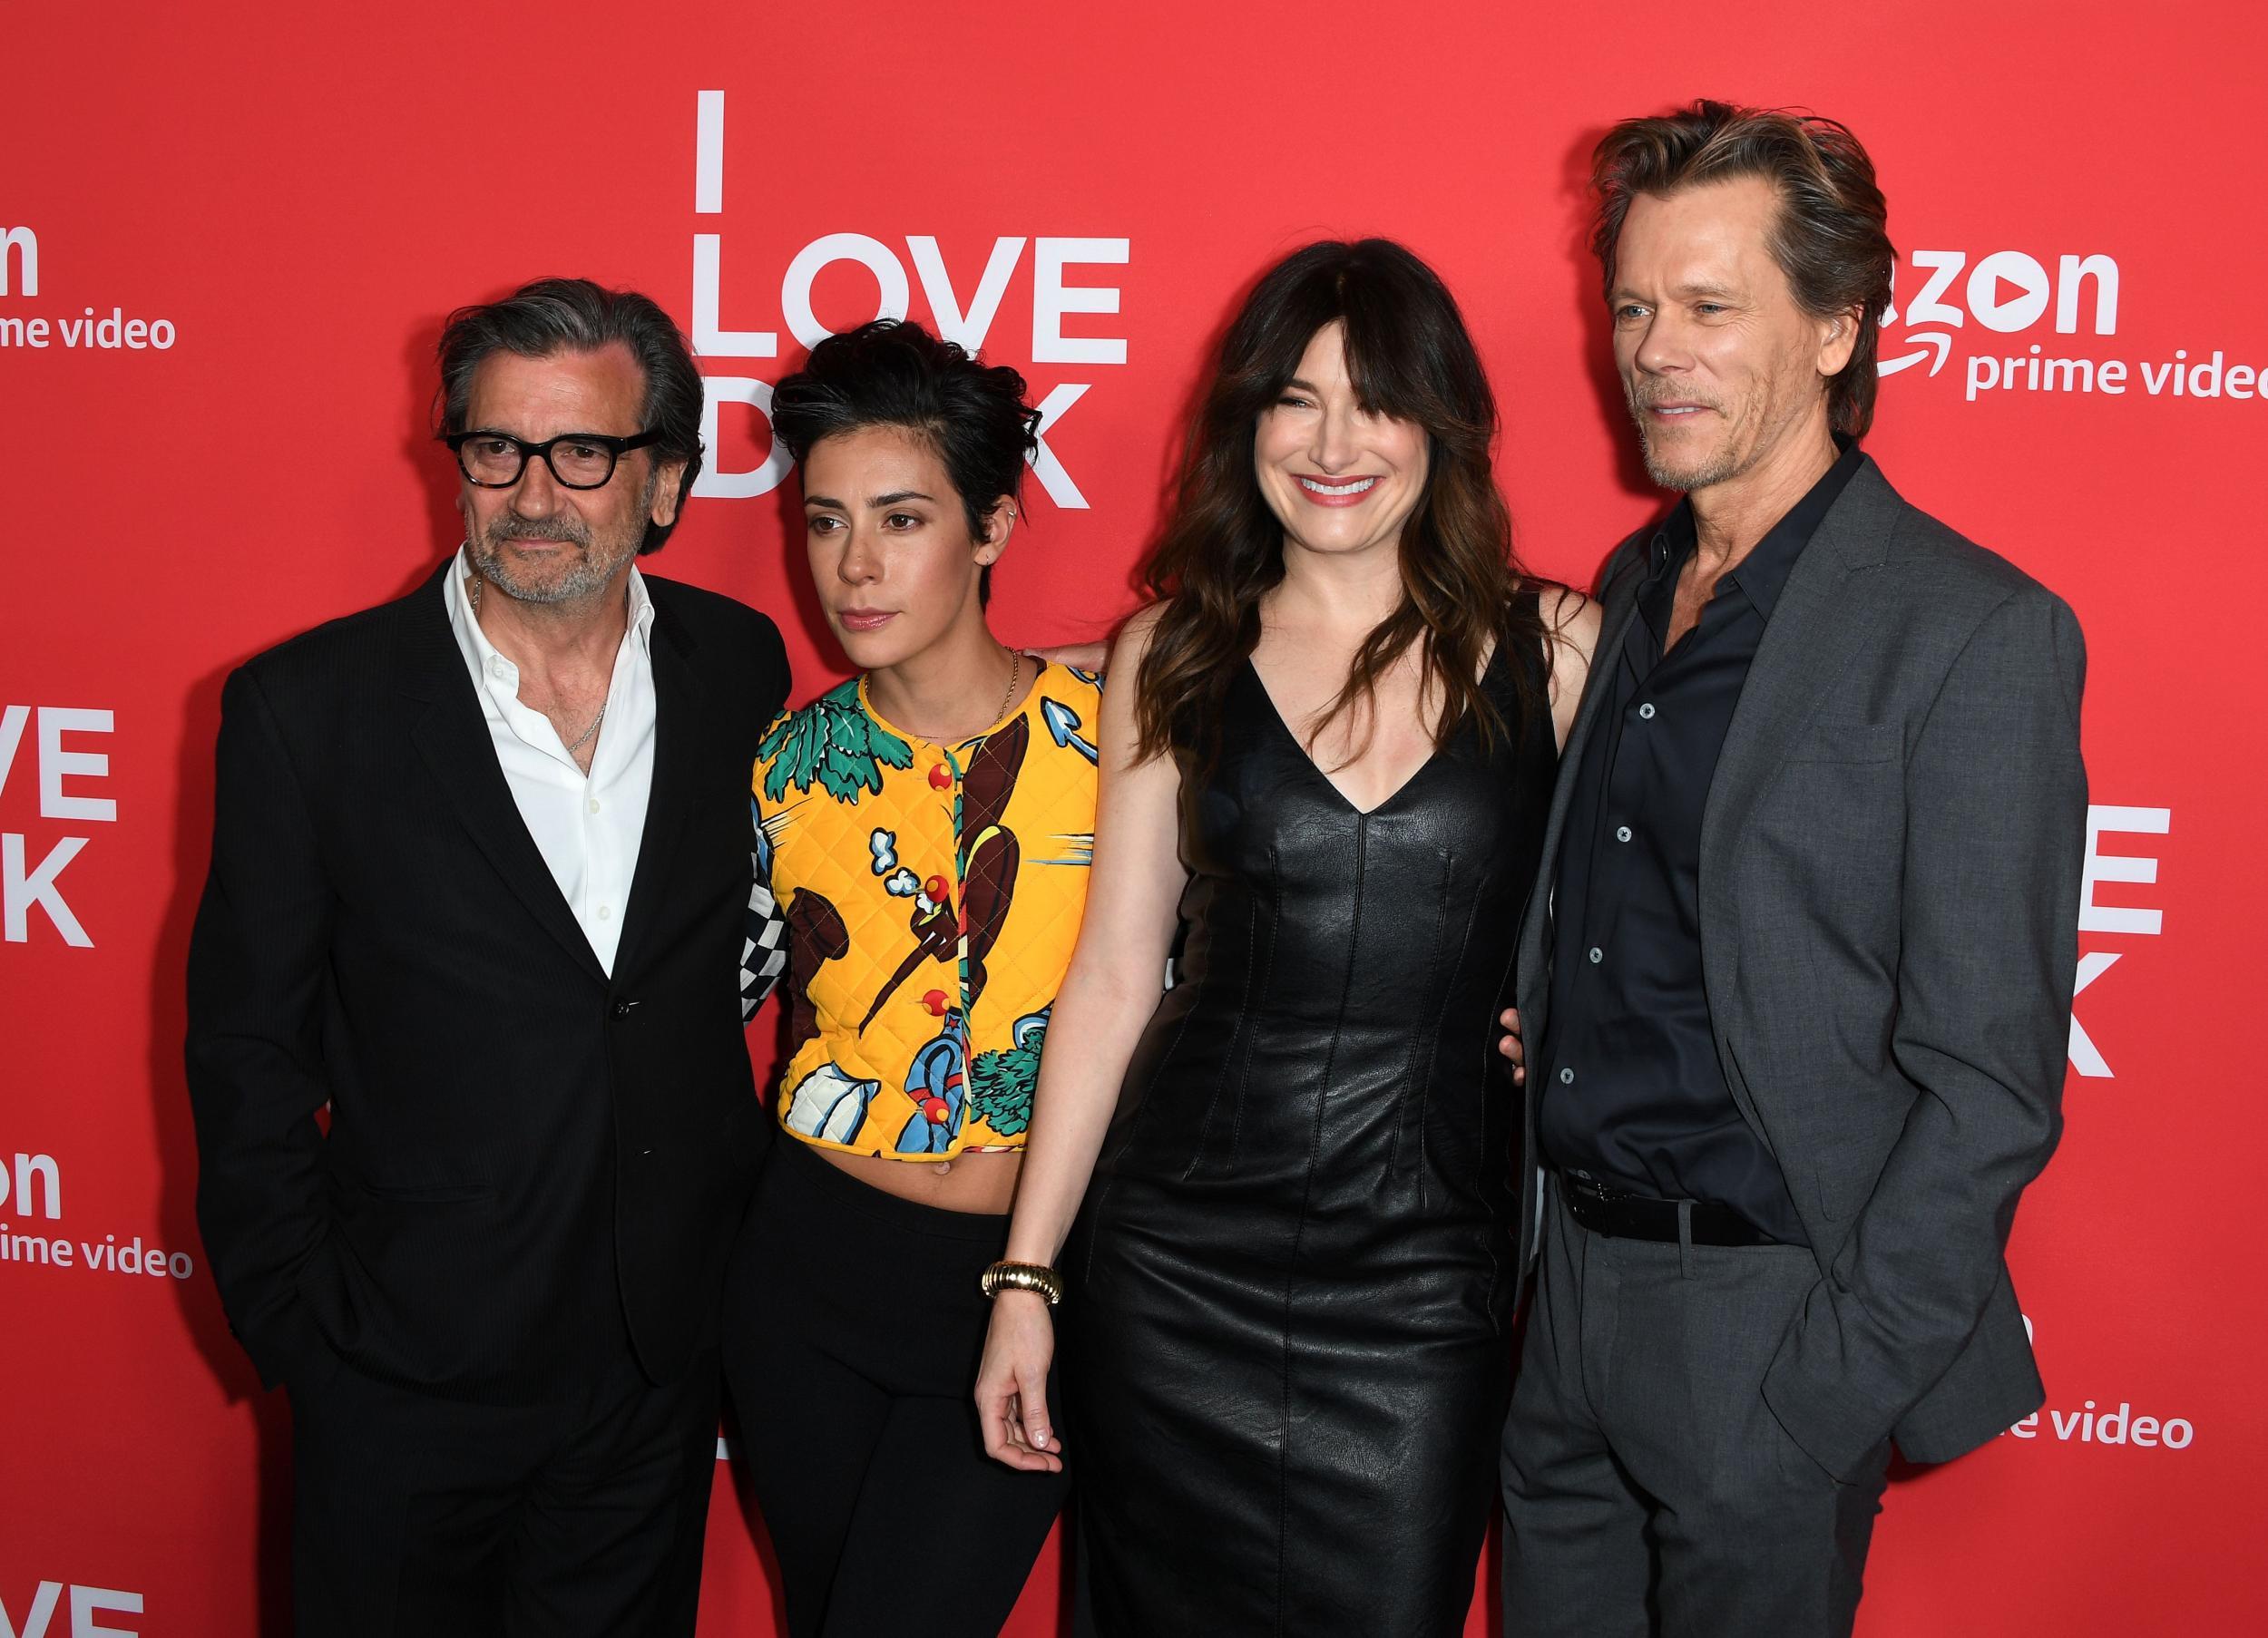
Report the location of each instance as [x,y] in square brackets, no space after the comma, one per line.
[524,1157]
[1890,881]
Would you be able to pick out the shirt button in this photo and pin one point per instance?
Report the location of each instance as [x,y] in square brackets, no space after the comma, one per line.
[605,914]
[594,804]
[1566,1077]
[1622,832]
[1646,711]
[940,777]
[1596,955]
[498,666]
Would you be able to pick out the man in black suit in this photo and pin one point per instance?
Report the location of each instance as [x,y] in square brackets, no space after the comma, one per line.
[480,866]
[1799,966]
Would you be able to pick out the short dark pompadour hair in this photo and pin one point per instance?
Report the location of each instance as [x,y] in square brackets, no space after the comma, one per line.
[1830,238]
[891,372]
[576,316]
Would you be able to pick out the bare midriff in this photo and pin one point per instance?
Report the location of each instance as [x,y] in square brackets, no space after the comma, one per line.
[982,1183]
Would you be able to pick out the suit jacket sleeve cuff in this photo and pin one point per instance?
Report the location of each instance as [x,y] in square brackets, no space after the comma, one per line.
[1811,1395]
[288,1347]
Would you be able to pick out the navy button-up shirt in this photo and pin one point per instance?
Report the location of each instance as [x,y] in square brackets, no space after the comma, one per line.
[1634,1096]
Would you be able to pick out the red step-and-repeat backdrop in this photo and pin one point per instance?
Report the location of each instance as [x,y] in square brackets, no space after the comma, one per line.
[228,237]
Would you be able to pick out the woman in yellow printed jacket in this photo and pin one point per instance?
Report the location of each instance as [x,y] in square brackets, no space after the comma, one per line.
[922,838]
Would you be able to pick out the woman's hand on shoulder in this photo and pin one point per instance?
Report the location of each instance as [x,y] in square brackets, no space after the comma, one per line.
[1570,626]
[1011,1384]
[1096,657]
[1090,657]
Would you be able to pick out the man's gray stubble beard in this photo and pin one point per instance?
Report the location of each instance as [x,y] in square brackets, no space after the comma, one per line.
[587,579]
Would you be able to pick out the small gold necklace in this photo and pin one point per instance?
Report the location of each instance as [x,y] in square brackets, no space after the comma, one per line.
[1007,698]
[1015,675]
[581,739]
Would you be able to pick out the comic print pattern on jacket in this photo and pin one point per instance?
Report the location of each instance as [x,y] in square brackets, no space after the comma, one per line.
[925,898]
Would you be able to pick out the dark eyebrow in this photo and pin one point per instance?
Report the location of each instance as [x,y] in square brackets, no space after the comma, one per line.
[1304,387]
[1625,293]
[498,431]
[892,499]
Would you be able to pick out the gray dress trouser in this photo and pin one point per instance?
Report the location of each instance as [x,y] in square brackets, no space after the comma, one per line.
[1648,1489]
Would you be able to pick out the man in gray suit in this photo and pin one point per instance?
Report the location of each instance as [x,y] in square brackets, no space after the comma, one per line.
[1798,970]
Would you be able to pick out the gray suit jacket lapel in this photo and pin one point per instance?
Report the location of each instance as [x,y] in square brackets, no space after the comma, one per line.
[1618,607]
[1816,628]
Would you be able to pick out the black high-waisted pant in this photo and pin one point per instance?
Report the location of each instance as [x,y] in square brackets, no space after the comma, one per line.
[853,1331]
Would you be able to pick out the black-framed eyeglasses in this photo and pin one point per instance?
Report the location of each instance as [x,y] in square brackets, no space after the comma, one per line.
[495,460]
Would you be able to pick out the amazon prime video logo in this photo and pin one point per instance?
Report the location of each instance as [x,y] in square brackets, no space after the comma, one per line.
[2005,292]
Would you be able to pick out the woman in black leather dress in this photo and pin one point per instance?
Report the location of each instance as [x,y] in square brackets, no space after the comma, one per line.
[1332,741]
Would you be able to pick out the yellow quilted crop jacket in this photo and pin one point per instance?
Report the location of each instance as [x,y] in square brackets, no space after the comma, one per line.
[923,899]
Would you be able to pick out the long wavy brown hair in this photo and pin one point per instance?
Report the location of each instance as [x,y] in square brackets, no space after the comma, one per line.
[1222,548]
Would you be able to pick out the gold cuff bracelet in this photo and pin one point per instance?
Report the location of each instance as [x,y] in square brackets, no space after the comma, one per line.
[1022,1276]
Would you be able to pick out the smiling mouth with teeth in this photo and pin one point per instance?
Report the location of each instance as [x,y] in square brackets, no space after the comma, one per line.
[1352,487]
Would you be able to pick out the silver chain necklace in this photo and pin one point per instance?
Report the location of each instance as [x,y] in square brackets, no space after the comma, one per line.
[582,738]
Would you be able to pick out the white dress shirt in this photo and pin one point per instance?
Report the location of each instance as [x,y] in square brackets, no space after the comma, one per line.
[587,826]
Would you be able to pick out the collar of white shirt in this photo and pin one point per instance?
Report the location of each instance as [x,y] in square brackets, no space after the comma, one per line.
[588,827]
[498,677]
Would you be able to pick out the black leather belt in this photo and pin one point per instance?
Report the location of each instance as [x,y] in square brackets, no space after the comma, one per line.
[1610,1211]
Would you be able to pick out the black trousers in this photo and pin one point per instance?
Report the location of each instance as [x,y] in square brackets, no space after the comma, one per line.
[433,1517]
[853,1331]
[1648,1489]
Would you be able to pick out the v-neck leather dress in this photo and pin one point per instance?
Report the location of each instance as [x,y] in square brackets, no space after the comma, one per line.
[1290,1294]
